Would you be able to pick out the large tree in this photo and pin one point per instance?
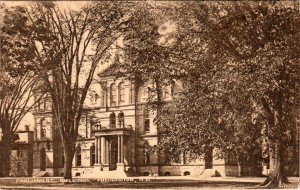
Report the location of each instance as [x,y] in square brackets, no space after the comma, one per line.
[16,100]
[68,46]
[146,54]
[16,86]
[258,44]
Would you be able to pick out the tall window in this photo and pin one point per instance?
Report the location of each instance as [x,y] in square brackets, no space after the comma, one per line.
[146,120]
[131,94]
[208,158]
[19,166]
[230,159]
[78,156]
[48,104]
[147,153]
[43,159]
[19,152]
[146,93]
[43,128]
[102,97]
[113,95]
[93,96]
[112,120]
[121,119]
[121,93]
[41,105]
[92,155]
[166,93]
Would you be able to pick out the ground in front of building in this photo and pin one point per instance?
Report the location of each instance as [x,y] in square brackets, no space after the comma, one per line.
[140,183]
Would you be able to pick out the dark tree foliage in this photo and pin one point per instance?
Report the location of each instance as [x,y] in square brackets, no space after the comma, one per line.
[17,81]
[243,64]
[147,57]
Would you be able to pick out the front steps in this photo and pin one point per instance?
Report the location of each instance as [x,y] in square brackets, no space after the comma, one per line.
[100,172]
[210,173]
[106,174]
[40,174]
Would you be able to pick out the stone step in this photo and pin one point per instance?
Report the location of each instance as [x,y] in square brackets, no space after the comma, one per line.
[210,173]
[40,174]
[107,174]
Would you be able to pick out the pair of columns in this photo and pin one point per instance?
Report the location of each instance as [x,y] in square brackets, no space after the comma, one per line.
[102,150]
[120,149]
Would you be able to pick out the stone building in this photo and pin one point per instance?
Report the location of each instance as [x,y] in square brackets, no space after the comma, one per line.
[115,134]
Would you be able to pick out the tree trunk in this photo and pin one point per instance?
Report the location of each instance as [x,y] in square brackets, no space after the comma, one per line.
[69,151]
[239,165]
[158,114]
[239,169]
[5,155]
[277,176]
[136,91]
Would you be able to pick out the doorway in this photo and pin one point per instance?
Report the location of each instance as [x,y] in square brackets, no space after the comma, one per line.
[43,159]
[113,154]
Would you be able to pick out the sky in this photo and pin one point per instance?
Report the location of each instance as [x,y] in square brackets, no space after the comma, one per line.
[65,4]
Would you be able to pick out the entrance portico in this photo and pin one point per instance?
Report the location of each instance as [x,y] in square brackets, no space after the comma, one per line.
[111,146]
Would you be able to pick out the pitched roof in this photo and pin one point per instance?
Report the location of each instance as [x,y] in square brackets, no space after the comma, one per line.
[111,70]
[114,69]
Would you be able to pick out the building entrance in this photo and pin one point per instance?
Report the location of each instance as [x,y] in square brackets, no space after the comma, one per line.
[113,153]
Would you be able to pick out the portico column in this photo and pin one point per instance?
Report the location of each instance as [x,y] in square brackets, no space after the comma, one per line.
[119,149]
[107,150]
[122,148]
[102,150]
[99,150]
[96,150]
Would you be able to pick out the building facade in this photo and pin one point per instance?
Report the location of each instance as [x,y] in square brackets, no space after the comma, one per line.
[116,134]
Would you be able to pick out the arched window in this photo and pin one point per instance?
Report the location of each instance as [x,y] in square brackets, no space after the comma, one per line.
[78,156]
[43,128]
[112,120]
[113,95]
[43,159]
[92,154]
[121,93]
[121,119]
